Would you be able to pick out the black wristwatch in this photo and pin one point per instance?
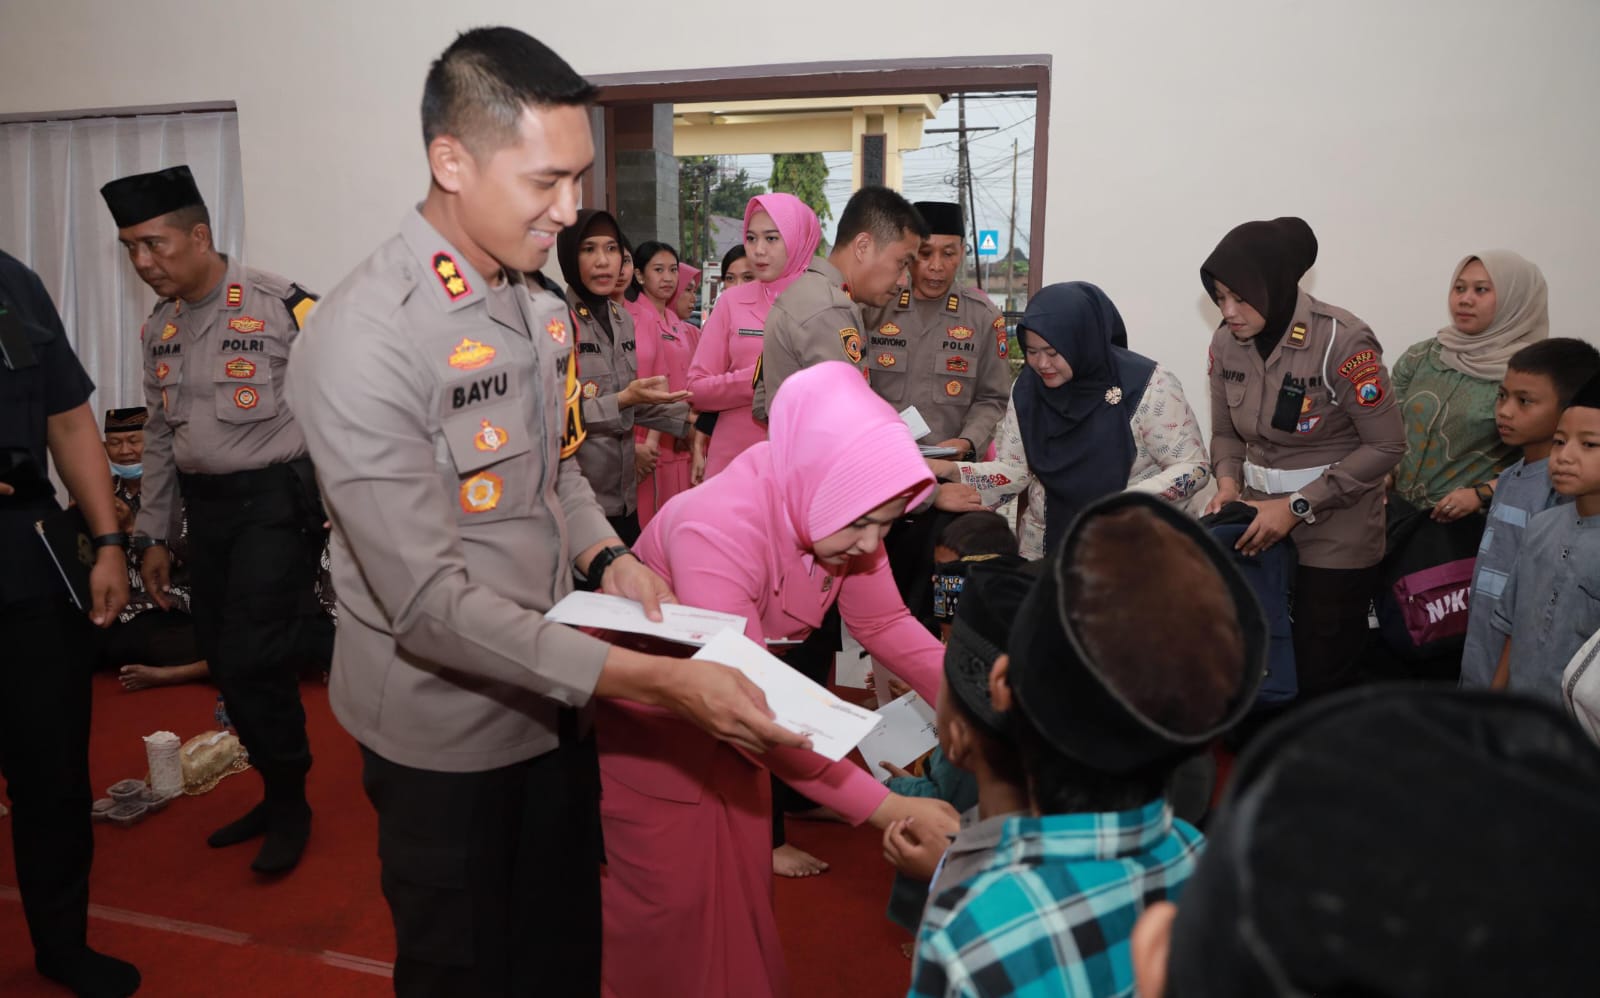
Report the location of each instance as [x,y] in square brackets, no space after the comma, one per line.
[602,561]
[116,540]
[142,542]
[1485,495]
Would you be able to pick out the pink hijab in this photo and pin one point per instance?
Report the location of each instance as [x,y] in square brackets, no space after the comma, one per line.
[839,451]
[687,276]
[801,232]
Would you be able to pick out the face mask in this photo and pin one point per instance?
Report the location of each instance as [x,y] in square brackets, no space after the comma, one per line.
[127,470]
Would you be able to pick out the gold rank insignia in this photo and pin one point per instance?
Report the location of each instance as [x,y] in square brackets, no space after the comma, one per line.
[469,355]
[481,492]
[952,303]
[905,298]
[169,331]
[246,324]
[952,388]
[583,311]
[235,295]
[557,330]
[959,332]
[1305,405]
[490,438]
[956,365]
[1297,333]
[162,370]
[886,360]
[245,397]
[850,339]
[450,277]
[240,368]
[888,329]
[590,389]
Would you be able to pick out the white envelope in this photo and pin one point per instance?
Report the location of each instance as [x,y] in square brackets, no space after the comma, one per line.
[684,624]
[906,734]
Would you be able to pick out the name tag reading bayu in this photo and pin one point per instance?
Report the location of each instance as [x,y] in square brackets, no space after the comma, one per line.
[471,393]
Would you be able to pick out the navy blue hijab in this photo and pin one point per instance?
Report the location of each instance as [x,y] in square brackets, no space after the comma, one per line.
[1079,442]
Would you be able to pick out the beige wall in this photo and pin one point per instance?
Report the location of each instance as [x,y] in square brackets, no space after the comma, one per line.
[1407,133]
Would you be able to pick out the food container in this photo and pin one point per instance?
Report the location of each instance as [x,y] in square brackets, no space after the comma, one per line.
[127,814]
[153,801]
[127,791]
[101,808]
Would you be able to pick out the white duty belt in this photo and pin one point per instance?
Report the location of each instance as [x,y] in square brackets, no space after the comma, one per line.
[1277,481]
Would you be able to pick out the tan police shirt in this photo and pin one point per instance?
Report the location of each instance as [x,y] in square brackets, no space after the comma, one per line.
[947,357]
[607,364]
[1347,419]
[443,415]
[213,382]
[812,321]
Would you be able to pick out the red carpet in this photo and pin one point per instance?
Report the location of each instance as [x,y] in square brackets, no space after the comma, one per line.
[198,922]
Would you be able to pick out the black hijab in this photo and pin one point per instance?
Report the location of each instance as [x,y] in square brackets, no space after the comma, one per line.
[1077,437]
[567,245]
[1262,263]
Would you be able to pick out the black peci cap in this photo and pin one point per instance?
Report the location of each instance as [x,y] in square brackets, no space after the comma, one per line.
[144,196]
[942,217]
[1093,716]
[125,420]
[993,592]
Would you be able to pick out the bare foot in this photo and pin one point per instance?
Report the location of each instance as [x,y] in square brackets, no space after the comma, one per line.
[789,861]
[144,677]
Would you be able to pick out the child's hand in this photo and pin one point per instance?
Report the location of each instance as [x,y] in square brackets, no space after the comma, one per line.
[895,770]
[910,849]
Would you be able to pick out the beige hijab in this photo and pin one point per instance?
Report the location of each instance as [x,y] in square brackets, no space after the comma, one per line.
[1521,317]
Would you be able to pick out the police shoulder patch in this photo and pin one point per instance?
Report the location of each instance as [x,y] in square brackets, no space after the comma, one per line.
[299,302]
[850,339]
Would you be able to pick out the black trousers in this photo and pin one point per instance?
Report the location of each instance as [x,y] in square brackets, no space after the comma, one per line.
[812,658]
[44,757]
[253,561]
[1330,627]
[910,547]
[157,638]
[493,878]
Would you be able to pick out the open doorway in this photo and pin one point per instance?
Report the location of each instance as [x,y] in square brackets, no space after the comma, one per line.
[679,153]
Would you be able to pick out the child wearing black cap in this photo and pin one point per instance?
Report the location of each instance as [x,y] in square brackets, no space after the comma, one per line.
[1551,604]
[1119,667]
[973,737]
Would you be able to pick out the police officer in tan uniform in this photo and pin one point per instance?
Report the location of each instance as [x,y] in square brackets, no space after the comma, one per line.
[818,317]
[220,435]
[614,398]
[1304,427]
[440,396]
[940,348]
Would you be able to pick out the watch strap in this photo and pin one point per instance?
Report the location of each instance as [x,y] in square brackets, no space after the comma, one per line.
[602,561]
[115,540]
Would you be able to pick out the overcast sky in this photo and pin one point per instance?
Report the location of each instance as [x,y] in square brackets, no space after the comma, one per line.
[930,171]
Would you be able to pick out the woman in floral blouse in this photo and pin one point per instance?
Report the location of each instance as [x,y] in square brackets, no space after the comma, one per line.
[1087,418]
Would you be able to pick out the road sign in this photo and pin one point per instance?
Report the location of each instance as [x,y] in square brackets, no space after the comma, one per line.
[988,242]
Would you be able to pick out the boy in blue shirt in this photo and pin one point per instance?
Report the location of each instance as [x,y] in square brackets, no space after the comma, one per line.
[1540,380]
[1551,603]
[1118,667]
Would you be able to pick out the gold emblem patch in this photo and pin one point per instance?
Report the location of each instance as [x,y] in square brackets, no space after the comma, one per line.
[490,438]
[557,330]
[240,368]
[245,397]
[469,355]
[889,329]
[959,332]
[481,492]
[590,389]
[850,339]
[246,324]
[162,370]
[886,360]
[169,331]
[952,388]
[956,365]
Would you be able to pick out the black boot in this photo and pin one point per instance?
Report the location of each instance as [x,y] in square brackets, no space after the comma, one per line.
[288,824]
[243,830]
[89,974]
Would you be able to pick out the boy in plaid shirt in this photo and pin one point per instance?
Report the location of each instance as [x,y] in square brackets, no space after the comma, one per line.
[1119,667]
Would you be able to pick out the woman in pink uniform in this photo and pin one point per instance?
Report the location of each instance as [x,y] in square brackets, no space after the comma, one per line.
[665,344]
[788,528]
[780,238]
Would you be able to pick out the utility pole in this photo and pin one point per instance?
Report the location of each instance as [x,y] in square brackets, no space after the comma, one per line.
[1011,252]
[963,174]
[705,215]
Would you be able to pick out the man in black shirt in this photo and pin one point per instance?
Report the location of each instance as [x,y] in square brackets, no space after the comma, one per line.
[44,675]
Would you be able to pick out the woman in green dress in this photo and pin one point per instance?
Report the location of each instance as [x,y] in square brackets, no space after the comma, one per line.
[1447,384]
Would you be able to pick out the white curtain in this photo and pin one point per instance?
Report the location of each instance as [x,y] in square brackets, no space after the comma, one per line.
[53,219]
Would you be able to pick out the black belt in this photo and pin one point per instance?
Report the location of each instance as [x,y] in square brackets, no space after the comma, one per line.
[251,481]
